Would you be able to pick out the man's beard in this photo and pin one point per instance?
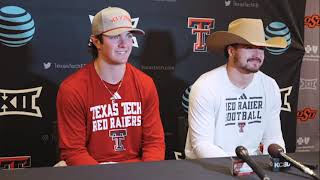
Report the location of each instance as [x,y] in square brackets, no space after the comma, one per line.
[250,69]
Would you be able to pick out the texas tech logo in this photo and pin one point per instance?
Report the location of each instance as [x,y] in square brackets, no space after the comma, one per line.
[20,102]
[241,126]
[201,28]
[118,135]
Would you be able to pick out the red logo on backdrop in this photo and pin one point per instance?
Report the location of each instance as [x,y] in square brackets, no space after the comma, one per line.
[200,27]
[312,21]
[306,114]
[15,162]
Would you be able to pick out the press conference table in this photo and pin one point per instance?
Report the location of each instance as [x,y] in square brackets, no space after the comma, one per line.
[200,169]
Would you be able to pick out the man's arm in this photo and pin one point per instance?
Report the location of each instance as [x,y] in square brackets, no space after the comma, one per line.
[202,122]
[153,146]
[72,128]
[273,133]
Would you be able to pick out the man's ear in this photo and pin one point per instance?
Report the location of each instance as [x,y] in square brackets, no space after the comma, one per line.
[95,41]
[230,50]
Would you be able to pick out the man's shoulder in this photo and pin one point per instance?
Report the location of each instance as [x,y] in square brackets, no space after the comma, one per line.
[210,82]
[264,77]
[214,75]
[266,81]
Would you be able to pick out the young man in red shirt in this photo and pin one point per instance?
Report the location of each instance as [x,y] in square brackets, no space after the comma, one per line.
[108,111]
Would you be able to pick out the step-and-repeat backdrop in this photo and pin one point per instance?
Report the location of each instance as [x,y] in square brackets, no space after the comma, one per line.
[308,101]
[42,42]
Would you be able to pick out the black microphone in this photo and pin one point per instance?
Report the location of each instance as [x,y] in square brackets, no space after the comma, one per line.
[277,151]
[243,154]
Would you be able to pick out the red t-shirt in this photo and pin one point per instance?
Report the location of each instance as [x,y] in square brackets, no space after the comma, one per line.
[93,129]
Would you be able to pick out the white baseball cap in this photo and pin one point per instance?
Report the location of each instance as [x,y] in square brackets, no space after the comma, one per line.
[113,21]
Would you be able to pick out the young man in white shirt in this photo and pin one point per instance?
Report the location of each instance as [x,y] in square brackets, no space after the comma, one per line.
[235,104]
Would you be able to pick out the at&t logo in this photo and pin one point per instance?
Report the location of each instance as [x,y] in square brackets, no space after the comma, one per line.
[20,102]
[185,99]
[200,27]
[278,29]
[16,26]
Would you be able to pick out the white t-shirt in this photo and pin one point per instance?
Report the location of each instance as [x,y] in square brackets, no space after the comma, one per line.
[223,116]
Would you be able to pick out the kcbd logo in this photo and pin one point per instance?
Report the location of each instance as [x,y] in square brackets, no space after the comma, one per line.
[200,27]
[20,102]
[312,21]
[281,164]
[17,26]
[306,114]
[134,21]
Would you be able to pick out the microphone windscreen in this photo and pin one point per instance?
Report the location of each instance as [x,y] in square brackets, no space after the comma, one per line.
[274,150]
[241,151]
